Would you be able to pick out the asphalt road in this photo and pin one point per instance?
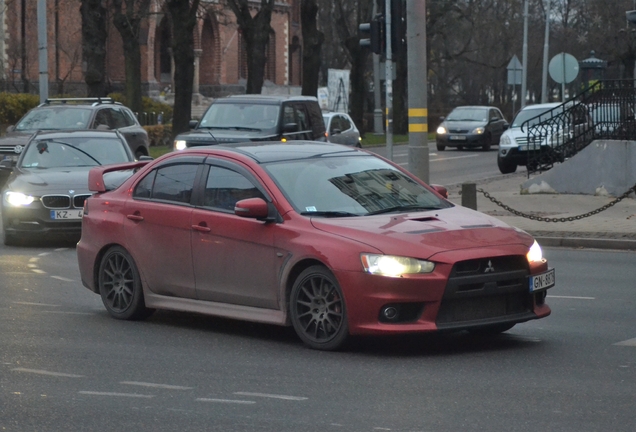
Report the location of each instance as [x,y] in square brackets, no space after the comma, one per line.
[450,166]
[65,365]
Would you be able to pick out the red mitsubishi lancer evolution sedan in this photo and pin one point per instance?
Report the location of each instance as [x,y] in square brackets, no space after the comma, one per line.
[330,239]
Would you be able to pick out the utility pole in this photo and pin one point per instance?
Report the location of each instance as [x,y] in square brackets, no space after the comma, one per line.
[388,81]
[418,88]
[377,88]
[546,45]
[524,73]
[43,51]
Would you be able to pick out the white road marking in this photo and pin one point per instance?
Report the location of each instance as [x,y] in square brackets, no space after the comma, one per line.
[453,157]
[135,395]
[44,372]
[572,297]
[146,384]
[265,395]
[67,312]
[629,342]
[38,271]
[44,254]
[32,266]
[36,304]
[225,401]
[63,278]
[34,259]
[60,249]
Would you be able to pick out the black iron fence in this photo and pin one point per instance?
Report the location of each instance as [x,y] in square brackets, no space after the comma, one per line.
[151,118]
[605,110]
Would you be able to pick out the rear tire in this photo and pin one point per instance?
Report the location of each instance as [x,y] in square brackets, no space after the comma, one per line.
[506,167]
[487,142]
[120,286]
[317,309]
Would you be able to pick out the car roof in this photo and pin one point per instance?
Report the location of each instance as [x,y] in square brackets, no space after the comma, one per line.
[78,133]
[264,98]
[543,105]
[272,151]
[333,113]
[475,106]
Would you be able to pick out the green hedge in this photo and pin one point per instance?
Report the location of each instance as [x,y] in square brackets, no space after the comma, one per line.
[14,105]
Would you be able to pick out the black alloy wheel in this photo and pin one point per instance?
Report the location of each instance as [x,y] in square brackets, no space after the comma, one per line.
[318,311]
[120,286]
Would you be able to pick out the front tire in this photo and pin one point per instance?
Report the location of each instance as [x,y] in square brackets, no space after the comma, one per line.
[317,309]
[487,142]
[506,167]
[441,147]
[120,286]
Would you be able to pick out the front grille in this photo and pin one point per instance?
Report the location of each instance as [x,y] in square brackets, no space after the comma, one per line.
[78,200]
[522,140]
[486,288]
[56,201]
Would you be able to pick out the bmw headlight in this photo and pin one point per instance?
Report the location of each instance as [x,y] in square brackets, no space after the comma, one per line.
[395,266]
[479,130]
[535,254]
[441,130]
[18,199]
[179,144]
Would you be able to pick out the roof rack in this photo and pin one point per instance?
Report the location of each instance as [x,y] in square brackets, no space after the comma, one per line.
[93,101]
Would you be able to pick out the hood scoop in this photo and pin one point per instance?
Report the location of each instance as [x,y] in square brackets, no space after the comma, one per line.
[427,230]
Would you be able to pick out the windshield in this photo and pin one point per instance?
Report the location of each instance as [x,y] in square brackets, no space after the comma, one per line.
[468,114]
[527,114]
[241,116]
[73,152]
[350,186]
[57,118]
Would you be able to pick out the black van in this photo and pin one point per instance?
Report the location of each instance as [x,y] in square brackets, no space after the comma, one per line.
[244,118]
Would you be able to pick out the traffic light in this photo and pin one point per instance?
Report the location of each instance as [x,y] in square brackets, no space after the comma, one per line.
[372,34]
[398,26]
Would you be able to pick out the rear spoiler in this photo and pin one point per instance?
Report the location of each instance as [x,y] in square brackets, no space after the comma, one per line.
[96,175]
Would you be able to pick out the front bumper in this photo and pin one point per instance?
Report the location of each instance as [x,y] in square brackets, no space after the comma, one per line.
[461,140]
[34,223]
[521,158]
[453,297]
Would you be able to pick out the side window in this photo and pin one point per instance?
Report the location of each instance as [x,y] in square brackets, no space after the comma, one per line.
[225,187]
[129,119]
[303,122]
[335,124]
[288,115]
[170,183]
[315,115]
[344,124]
[118,119]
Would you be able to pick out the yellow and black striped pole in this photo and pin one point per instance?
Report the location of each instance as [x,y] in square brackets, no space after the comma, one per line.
[418,87]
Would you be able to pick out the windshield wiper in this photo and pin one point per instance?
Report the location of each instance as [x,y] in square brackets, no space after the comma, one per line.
[403,208]
[74,148]
[243,128]
[328,213]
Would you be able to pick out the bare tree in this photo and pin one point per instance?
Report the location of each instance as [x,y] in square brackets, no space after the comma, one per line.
[128,17]
[255,31]
[312,45]
[94,35]
[183,17]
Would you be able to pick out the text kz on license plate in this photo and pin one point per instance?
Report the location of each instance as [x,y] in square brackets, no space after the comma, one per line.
[542,281]
[67,214]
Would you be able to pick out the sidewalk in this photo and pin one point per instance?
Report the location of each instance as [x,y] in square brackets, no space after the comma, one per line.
[614,228]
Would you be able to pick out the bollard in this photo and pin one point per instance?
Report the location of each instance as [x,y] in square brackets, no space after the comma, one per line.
[469,195]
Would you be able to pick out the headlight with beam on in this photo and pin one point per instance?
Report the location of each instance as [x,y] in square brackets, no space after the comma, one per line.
[479,130]
[535,254]
[395,266]
[441,130]
[179,144]
[18,199]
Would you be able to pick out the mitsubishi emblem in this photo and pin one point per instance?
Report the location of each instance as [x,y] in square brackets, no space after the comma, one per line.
[490,268]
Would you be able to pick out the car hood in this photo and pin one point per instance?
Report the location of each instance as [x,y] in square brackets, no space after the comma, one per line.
[425,234]
[60,180]
[12,139]
[221,136]
[458,125]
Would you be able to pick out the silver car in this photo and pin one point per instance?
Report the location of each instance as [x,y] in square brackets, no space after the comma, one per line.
[341,129]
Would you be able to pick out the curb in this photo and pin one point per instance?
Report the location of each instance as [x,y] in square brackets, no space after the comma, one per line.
[590,243]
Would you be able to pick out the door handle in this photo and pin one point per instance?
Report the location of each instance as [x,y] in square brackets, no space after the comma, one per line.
[135,217]
[201,228]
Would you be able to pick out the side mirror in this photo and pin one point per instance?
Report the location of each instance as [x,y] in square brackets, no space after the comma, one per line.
[193,124]
[145,158]
[506,125]
[290,127]
[10,128]
[440,190]
[254,208]
[442,118]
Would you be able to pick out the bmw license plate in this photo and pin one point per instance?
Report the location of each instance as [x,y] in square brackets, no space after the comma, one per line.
[542,281]
[67,214]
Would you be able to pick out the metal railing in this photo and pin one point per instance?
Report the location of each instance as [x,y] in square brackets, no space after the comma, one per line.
[604,110]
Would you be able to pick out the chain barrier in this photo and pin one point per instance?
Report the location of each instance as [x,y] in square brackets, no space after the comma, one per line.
[562,219]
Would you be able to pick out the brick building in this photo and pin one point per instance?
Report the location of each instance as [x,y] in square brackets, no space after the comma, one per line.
[220,66]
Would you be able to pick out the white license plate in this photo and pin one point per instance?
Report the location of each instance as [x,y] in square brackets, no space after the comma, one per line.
[67,214]
[523,148]
[457,138]
[542,281]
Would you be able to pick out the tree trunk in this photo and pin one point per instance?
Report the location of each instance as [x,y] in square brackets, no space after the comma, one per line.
[255,31]
[94,35]
[128,23]
[359,57]
[183,19]
[312,45]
